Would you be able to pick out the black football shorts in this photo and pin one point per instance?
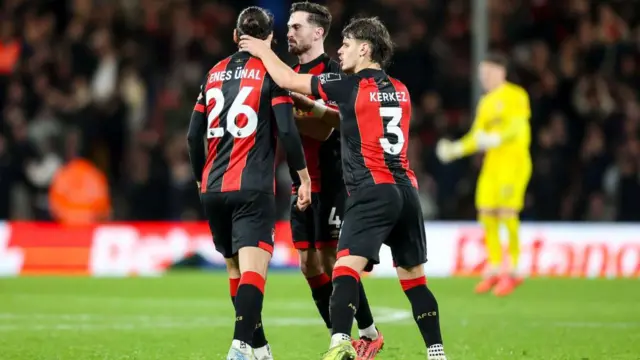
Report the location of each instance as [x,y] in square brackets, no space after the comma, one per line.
[239,219]
[319,225]
[332,203]
[384,214]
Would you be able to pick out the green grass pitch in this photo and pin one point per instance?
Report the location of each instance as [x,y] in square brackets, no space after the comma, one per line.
[188,316]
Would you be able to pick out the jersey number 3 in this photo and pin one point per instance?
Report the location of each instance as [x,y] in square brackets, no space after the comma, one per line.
[393,127]
[238,107]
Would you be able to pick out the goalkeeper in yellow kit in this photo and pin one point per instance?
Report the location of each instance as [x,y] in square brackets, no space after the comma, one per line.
[501,129]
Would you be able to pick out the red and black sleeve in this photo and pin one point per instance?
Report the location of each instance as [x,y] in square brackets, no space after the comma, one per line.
[333,87]
[282,105]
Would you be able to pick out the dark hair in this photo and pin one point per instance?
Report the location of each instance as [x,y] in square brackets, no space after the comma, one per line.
[373,31]
[497,59]
[318,14]
[255,21]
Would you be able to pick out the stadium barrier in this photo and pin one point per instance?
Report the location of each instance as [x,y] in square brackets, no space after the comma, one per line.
[456,249]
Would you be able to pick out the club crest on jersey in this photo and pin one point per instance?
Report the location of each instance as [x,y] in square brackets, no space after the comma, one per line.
[325,78]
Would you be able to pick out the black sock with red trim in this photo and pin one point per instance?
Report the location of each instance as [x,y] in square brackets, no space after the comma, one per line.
[344,301]
[248,304]
[233,289]
[321,289]
[363,315]
[259,338]
[425,309]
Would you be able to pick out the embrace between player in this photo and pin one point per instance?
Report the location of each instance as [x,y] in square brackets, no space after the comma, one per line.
[239,101]
[315,231]
[501,129]
[383,205]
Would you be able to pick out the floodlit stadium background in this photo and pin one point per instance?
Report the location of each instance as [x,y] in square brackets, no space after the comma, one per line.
[115,82]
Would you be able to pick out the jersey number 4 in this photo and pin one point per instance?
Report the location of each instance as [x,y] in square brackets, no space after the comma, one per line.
[393,127]
[334,219]
[238,107]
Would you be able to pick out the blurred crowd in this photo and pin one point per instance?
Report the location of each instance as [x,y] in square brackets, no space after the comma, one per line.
[114,82]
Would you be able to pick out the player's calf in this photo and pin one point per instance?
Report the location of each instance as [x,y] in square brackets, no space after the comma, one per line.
[259,343]
[425,309]
[327,256]
[250,294]
[345,298]
[511,220]
[319,282]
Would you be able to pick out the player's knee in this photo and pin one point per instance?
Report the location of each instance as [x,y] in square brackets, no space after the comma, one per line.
[254,259]
[487,212]
[311,270]
[328,259]
[233,267]
[310,264]
[357,263]
[507,213]
[409,273]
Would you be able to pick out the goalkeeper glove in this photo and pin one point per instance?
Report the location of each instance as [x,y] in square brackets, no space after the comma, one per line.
[447,151]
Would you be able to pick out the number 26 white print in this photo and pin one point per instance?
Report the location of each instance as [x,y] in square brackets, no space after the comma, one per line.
[237,107]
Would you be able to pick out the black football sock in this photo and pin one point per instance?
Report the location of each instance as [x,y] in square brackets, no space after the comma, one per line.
[248,304]
[425,309]
[321,289]
[363,315]
[259,338]
[344,300]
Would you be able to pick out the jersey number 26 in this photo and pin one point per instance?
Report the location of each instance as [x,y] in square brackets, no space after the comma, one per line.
[237,107]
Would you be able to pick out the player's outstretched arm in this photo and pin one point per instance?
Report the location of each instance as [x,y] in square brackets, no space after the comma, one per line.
[319,111]
[516,114]
[282,74]
[448,151]
[472,142]
[195,139]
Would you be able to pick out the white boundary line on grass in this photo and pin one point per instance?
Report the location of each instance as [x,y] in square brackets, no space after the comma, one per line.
[97,322]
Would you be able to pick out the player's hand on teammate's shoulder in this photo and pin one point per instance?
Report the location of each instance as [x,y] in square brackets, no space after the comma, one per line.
[254,46]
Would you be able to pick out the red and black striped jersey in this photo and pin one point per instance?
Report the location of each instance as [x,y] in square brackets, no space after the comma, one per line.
[323,157]
[244,110]
[375,110]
